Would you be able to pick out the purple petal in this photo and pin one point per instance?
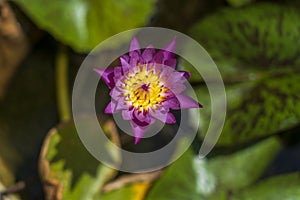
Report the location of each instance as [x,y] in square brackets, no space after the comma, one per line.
[140,119]
[148,54]
[107,75]
[137,131]
[170,118]
[134,45]
[171,62]
[125,65]
[175,83]
[125,57]
[177,88]
[110,108]
[165,117]
[135,58]
[159,57]
[185,74]
[121,105]
[115,93]
[172,103]
[126,114]
[187,102]
[171,47]
[118,73]
[100,71]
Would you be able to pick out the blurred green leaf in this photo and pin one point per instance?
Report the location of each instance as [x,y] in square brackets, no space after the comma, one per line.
[256,48]
[125,193]
[262,36]
[275,188]
[179,181]
[249,40]
[207,179]
[234,95]
[275,107]
[134,191]
[237,3]
[215,177]
[83,24]
[240,169]
[67,169]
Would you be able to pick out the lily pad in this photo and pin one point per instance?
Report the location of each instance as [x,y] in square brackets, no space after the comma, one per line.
[214,178]
[255,48]
[277,188]
[274,108]
[241,169]
[260,36]
[67,169]
[184,186]
[83,24]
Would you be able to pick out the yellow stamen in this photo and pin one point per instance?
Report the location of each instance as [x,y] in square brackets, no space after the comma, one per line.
[144,89]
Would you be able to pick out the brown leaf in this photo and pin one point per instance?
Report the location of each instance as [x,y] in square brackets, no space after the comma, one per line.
[131,179]
[53,186]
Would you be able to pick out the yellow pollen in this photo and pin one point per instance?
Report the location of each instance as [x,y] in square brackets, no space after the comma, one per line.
[144,89]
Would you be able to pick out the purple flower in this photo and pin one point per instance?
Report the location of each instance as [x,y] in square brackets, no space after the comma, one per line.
[146,87]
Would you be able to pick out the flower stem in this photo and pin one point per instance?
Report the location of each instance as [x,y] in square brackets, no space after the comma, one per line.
[62,90]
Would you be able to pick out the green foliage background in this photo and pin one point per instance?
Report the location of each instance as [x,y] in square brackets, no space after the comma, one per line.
[256,46]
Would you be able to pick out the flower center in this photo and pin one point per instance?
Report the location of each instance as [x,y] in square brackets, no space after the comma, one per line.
[145,88]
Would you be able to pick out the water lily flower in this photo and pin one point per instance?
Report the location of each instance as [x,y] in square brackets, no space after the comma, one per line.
[146,86]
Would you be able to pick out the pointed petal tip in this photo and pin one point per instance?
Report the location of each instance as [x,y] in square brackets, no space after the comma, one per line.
[134,45]
[185,74]
[170,118]
[99,71]
[137,140]
[109,108]
[138,131]
[187,102]
[171,47]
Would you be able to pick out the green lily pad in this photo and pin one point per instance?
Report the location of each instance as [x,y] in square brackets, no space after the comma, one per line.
[234,95]
[256,109]
[83,24]
[274,108]
[220,176]
[179,181]
[256,48]
[260,36]
[207,178]
[241,169]
[247,41]
[67,169]
[276,188]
